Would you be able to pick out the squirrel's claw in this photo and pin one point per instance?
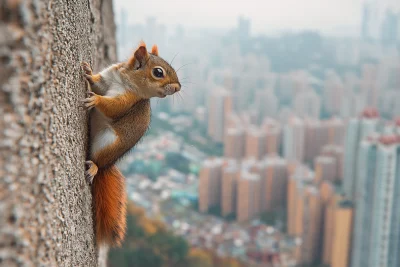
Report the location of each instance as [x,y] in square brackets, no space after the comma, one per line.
[91,101]
[86,67]
[89,78]
[88,71]
[91,172]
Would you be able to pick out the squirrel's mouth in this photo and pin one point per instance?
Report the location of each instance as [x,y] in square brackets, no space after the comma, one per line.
[172,88]
[162,94]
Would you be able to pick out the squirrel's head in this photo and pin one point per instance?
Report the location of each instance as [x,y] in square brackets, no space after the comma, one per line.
[150,74]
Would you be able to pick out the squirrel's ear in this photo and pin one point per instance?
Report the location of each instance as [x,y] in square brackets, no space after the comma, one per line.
[139,57]
[154,50]
[142,43]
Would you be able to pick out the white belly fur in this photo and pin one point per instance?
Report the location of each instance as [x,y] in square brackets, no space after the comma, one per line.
[101,133]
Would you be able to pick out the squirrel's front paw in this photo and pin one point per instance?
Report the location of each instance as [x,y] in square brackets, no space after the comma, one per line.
[91,172]
[91,101]
[88,71]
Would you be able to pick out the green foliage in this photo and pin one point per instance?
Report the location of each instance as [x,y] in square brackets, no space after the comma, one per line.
[230,217]
[151,168]
[178,162]
[148,243]
[215,210]
[276,218]
[268,217]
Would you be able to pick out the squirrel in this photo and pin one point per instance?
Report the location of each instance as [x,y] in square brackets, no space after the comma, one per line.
[119,117]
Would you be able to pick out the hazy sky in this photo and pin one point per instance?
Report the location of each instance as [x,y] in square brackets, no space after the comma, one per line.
[266,16]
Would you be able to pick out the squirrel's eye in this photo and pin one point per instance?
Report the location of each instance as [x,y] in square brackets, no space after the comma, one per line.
[158,72]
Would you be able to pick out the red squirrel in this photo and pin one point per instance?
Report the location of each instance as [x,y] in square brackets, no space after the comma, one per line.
[120,117]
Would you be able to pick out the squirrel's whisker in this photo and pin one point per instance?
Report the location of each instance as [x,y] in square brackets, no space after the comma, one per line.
[172,61]
[183,66]
[181,97]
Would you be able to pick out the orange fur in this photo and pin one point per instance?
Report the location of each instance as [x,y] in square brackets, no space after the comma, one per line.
[114,107]
[142,43]
[140,54]
[96,78]
[154,50]
[109,198]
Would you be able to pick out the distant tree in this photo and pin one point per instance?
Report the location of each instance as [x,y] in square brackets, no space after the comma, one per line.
[268,217]
[199,258]
[178,162]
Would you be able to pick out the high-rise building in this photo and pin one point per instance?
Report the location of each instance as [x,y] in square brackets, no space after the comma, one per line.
[266,104]
[248,196]
[300,175]
[273,188]
[372,15]
[229,188]
[316,135]
[389,102]
[336,152]
[244,26]
[390,28]
[385,230]
[311,220]
[353,104]
[357,130]
[333,93]
[210,184]
[363,200]
[336,131]
[320,133]
[293,140]
[273,132]
[255,142]
[220,106]
[370,83]
[325,169]
[307,105]
[234,143]
[337,232]
[376,231]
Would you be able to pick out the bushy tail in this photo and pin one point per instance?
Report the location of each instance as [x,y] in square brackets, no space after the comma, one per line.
[109,198]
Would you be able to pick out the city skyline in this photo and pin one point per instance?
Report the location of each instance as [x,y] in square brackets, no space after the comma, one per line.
[339,18]
[279,122]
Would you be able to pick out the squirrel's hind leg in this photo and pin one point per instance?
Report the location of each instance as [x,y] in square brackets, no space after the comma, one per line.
[91,172]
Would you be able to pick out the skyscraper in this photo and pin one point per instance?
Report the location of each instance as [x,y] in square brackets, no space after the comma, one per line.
[311,221]
[390,28]
[293,140]
[342,217]
[273,187]
[266,104]
[220,106]
[300,175]
[369,83]
[325,169]
[248,196]
[385,230]
[363,199]
[234,143]
[336,152]
[273,132]
[333,93]
[307,105]
[210,184]
[229,188]
[255,142]
[357,130]
[316,135]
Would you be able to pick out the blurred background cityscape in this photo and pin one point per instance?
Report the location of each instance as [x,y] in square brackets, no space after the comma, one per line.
[283,148]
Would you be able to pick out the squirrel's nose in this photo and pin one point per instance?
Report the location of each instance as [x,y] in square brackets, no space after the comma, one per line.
[176,87]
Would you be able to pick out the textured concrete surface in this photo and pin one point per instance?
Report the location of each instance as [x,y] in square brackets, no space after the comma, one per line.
[45,203]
